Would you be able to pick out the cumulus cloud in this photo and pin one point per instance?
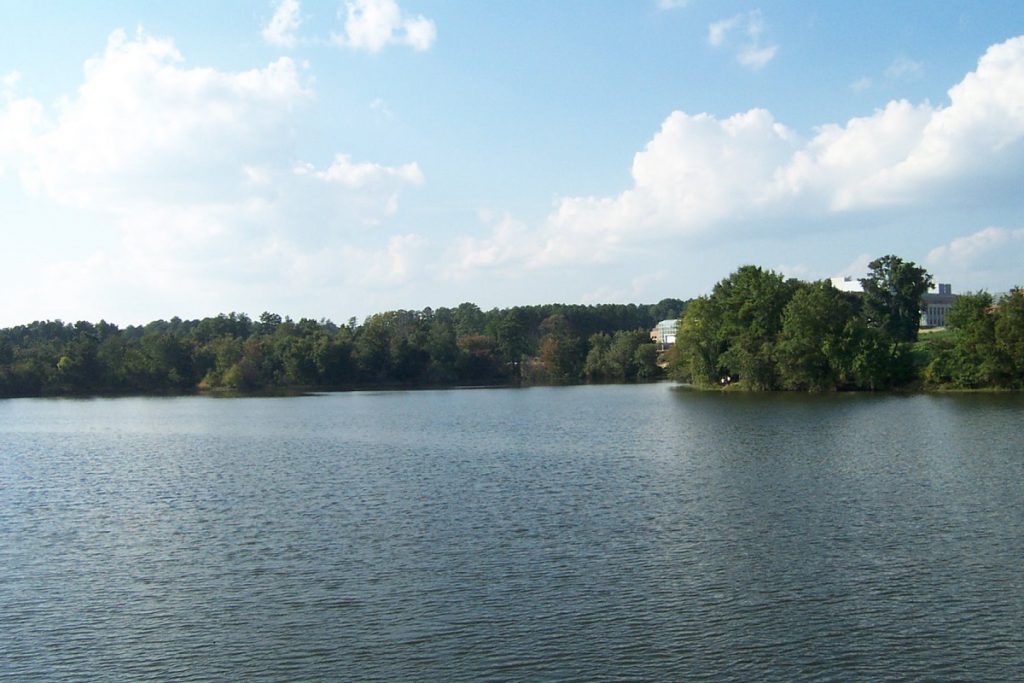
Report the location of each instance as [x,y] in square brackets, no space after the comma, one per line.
[750,51]
[995,252]
[371,25]
[702,176]
[696,172]
[369,190]
[194,166]
[142,126]
[510,242]
[283,26]
[19,121]
[981,245]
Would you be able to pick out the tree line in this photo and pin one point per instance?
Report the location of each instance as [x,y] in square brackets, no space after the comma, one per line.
[447,346]
[760,331]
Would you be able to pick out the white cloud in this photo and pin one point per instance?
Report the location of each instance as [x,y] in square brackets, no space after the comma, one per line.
[696,172]
[756,57]
[750,52]
[358,175]
[284,24]
[194,167]
[982,245]
[903,69]
[19,122]
[717,31]
[705,177]
[142,126]
[994,251]
[371,25]
[861,84]
[672,4]
[510,242]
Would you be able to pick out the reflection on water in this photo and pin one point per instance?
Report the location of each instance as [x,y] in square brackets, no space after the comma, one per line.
[574,533]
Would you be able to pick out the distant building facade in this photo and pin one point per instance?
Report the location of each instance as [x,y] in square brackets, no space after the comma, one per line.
[935,307]
[664,333]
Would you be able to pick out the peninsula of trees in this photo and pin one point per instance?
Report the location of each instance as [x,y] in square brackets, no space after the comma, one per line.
[759,331]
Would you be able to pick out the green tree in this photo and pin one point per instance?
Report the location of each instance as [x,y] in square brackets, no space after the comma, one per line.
[971,360]
[373,348]
[751,301]
[512,335]
[645,361]
[559,349]
[1009,329]
[478,361]
[813,351]
[469,320]
[892,296]
[700,343]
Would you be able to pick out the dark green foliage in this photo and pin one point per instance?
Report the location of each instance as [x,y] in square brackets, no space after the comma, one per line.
[970,359]
[624,356]
[1009,328]
[699,344]
[752,301]
[732,334]
[816,347]
[892,296]
[560,350]
[755,329]
[761,332]
[986,347]
[462,345]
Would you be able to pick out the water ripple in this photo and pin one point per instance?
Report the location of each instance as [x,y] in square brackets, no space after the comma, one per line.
[590,534]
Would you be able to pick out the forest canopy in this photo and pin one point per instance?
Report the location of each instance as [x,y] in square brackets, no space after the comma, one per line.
[756,330]
[444,347]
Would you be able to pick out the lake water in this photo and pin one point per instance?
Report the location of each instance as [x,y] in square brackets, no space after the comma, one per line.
[579,533]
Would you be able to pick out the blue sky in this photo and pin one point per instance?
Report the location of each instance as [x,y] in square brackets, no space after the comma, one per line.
[336,159]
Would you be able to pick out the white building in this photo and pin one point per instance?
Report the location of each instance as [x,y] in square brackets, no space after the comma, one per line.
[847,284]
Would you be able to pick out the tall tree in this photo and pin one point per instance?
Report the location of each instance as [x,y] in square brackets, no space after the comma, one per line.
[813,353]
[560,349]
[752,301]
[699,343]
[512,336]
[892,296]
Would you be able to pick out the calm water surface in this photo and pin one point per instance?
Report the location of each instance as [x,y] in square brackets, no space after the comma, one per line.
[580,533]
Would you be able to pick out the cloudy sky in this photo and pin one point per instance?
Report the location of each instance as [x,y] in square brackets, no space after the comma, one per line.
[335,159]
